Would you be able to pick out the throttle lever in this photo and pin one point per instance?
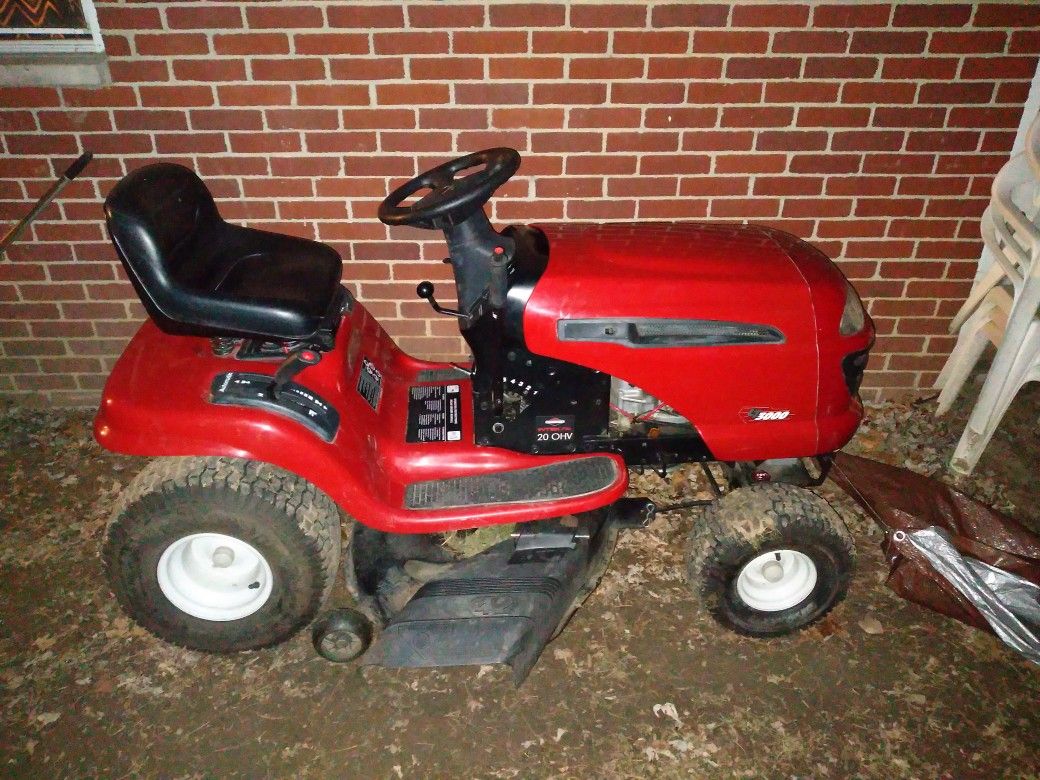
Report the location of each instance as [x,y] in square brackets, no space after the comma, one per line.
[425,291]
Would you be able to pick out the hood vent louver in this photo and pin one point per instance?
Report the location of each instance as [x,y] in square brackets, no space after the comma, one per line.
[645,332]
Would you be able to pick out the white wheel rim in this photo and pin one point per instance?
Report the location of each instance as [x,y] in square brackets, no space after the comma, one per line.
[776,580]
[214,577]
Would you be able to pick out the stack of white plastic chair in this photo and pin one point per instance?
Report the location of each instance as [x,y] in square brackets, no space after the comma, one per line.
[1002,307]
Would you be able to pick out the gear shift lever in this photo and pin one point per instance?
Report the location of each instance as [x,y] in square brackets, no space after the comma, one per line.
[297,360]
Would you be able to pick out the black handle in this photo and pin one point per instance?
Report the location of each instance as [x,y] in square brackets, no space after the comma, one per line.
[294,363]
[77,167]
[55,189]
[425,291]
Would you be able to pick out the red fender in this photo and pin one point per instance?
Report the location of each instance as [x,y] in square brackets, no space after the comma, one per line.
[157,403]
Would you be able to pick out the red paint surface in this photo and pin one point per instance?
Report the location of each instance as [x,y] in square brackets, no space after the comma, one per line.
[156,404]
[712,272]
[157,400]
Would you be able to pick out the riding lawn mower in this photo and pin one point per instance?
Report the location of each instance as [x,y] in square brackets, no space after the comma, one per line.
[291,438]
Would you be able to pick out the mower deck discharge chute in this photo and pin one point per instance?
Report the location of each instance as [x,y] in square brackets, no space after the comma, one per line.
[278,409]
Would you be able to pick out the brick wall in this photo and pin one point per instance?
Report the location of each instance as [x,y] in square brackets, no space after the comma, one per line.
[871,130]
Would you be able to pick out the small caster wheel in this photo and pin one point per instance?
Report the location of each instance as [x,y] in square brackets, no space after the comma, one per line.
[341,635]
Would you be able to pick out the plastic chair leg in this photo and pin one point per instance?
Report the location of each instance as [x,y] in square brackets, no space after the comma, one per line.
[982,328]
[991,407]
[993,276]
[962,362]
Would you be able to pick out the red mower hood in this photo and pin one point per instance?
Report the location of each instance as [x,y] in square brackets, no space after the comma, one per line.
[728,266]
[719,272]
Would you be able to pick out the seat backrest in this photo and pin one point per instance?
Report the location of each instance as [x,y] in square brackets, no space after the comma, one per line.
[158,216]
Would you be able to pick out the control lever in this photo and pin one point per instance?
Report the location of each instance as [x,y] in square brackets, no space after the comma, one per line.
[425,291]
[297,360]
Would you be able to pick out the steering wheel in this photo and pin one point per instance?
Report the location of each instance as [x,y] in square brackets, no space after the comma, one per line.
[450,200]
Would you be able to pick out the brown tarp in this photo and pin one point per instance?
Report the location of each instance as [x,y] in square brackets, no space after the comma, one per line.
[899,499]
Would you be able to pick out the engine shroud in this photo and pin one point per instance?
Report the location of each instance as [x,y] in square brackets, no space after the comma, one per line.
[548,405]
[734,327]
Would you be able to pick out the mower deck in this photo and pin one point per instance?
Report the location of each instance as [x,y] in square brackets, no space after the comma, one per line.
[503,605]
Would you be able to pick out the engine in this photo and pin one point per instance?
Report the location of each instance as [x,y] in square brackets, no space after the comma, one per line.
[630,404]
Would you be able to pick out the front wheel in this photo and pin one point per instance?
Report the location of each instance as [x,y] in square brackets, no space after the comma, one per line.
[770,559]
[222,555]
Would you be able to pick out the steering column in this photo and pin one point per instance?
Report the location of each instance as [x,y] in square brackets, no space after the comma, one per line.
[478,254]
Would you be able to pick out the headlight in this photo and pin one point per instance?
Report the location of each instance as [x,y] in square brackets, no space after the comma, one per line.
[853,318]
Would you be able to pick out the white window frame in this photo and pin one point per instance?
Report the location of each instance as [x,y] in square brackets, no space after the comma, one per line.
[92,45]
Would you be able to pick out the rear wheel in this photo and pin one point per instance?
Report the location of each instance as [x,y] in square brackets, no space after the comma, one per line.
[221,555]
[770,559]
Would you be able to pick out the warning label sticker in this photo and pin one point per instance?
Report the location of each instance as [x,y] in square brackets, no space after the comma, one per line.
[370,383]
[434,413]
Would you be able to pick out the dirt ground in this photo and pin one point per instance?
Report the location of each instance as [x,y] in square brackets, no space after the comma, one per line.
[639,685]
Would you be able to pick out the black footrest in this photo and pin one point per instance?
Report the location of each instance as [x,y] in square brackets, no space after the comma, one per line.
[552,482]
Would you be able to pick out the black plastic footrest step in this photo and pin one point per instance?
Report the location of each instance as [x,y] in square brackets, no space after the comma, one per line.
[552,482]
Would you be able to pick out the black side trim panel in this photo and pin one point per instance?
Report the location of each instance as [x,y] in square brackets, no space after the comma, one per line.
[646,332]
[529,262]
[233,388]
[658,451]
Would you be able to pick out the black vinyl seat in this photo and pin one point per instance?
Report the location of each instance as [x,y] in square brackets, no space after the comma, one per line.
[199,275]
